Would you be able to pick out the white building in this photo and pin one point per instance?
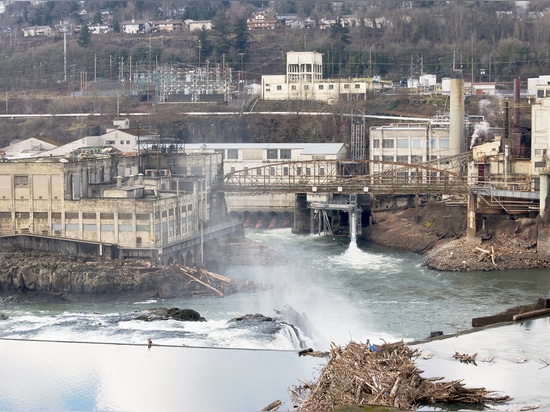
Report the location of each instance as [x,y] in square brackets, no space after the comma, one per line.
[250,156]
[540,131]
[304,81]
[533,82]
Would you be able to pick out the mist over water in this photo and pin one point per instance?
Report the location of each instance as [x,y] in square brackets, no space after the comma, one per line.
[340,290]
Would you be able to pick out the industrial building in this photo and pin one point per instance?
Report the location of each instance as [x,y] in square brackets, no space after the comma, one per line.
[156,205]
[304,81]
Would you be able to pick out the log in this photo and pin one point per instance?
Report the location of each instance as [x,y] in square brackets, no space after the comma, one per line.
[206,285]
[216,276]
[273,406]
[531,314]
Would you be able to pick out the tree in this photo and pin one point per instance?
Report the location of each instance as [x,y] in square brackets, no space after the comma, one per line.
[96,19]
[205,43]
[242,36]
[221,32]
[85,37]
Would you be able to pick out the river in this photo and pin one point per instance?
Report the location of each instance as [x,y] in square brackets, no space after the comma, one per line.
[69,356]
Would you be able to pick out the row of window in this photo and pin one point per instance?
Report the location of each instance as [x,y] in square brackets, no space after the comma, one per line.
[413,159]
[112,142]
[330,86]
[271,154]
[413,143]
[286,171]
[93,216]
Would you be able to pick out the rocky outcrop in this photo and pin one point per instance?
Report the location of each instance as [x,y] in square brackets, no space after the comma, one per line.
[438,232]
[183,315]
[55,276]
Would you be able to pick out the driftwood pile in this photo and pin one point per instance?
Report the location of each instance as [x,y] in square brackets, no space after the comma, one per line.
[364,374]
[206,279]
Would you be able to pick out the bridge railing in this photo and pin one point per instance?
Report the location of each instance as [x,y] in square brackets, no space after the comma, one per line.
[326,176]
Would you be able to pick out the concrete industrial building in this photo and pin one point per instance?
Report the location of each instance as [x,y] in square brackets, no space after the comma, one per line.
[423,141]
[304,81]
[106,206]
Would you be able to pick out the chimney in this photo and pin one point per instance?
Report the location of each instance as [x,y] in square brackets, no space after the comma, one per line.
[131,180]
[456,129]
[140,179]
[119,181]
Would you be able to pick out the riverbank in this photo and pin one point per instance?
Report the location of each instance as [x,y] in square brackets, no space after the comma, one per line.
[438,231]
[37,276]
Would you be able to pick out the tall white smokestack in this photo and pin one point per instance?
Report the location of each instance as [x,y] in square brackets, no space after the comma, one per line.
[456,130]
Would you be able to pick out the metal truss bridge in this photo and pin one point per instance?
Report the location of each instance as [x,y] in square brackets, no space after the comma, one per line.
[348,177]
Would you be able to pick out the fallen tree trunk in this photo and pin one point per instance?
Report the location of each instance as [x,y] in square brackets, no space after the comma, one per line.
[531,314]
[206,285]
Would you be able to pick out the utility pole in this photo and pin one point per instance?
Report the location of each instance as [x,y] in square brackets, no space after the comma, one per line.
[65,53]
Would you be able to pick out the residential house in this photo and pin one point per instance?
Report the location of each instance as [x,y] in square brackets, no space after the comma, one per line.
[135,26]
[260,20]
[166,26]
[197,25]
[38,31]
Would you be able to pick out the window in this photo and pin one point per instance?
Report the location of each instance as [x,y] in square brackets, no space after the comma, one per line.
[443,143]
[321,87]
[321,171]
[284,154]
[21,181]
[346,86]
[259,171]
[246,171]
[279,88]
[109,142]
[272,154]
[306,86]
[403,159]
[122,142]
[127,142]
[285,171]
[433,143]
[308,171]
[416,159]
[357,86]
[331,87]
[293,87]
[272,171]
[388,143]
[232,169]
[299,170]
[402,143]
[376,143]
[416,143]
[232,154]
[387,158]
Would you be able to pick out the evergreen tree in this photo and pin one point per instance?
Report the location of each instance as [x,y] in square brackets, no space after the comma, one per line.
[206,44]
[221,33]
[241,41]
[85,36]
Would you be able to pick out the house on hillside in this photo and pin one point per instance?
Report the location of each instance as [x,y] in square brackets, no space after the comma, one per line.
[38,31]
[194,25]
[260,20]
[135,26]
[169,26]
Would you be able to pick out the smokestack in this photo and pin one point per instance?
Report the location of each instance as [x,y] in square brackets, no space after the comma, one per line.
[456,130]
[516,102]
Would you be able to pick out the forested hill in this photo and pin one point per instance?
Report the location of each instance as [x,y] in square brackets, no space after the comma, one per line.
[486,40]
